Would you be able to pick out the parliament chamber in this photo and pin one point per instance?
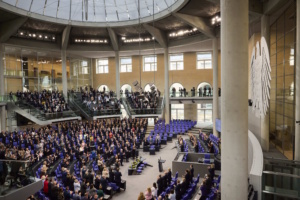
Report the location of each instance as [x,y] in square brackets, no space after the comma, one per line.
[149,99]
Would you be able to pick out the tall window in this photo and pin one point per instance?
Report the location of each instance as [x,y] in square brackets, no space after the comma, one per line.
[204,60]
[177,111]
[150,63]
[102,66]
[75,70]
[84,69]
[176,62]
[126,64]
[204,112]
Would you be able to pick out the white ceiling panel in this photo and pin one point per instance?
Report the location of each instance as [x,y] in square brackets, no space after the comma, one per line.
[10,2]
[76,10]
[51,8]
[24,4]
[38,6]
[99,11]
[64,9]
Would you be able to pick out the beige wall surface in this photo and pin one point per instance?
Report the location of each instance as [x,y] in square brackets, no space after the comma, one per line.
[190,111]
[189,77]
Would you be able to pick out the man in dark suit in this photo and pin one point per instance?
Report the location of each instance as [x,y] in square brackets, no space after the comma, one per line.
[121,156]
[67,193]
[192,171]
[159,185]
[103,183]
[118,177]
[178,190]
[169,176]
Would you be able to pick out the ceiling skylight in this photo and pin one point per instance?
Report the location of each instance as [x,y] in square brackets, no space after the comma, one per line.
[84,12]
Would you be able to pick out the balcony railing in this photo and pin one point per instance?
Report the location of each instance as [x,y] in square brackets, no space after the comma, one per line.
[78,103]
[190,94]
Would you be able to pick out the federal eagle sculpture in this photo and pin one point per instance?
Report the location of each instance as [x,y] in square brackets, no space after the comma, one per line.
[260,78]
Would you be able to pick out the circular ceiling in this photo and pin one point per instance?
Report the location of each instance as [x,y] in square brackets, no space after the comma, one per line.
[94,12]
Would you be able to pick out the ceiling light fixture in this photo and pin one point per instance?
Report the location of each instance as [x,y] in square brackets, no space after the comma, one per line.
[216,20]
[183,32]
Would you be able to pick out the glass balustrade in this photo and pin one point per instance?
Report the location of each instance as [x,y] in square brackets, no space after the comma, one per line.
[8,98]
[139,111]
[40,114]
[73,97]
[276,185]
[15,174]
[191,94]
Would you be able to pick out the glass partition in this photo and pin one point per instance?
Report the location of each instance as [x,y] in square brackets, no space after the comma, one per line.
[79,74]
[282,103]
[28,69]
[15,173]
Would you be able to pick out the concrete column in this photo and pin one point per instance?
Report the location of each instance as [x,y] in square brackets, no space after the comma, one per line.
[117,60]
[215,84]
[234,104]
[297,85]
[264,122]
[167,89]
[2,87]
[64,73]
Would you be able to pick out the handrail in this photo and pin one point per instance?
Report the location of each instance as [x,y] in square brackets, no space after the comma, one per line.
[74,102]
[280,159]
[281,174]
[279,194]
[33,109]
[189,94]
[88,112]
[13,160]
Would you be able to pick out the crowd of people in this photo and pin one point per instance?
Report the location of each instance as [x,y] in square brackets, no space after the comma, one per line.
[208,183]
[149,100]
[47,101]
[194,141]
[163,181]
[106,142]
[210,144]
[97,101]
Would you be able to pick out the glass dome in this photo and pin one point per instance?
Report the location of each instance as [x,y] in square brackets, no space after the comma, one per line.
[91,12]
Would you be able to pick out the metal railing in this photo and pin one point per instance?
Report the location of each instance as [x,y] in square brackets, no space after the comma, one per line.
[15,173]
[40,114]
[87,111]
[191,94]
[277,185]
[143,111]
[8,98]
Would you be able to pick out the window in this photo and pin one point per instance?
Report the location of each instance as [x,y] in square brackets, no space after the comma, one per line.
[102,66]
[204,112]
[204,60]
[150,63]
[177,111]
[75,70]
[84,69]
[176,62]
[126,64]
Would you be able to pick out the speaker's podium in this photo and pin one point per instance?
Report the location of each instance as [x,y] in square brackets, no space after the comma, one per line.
[160,166]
